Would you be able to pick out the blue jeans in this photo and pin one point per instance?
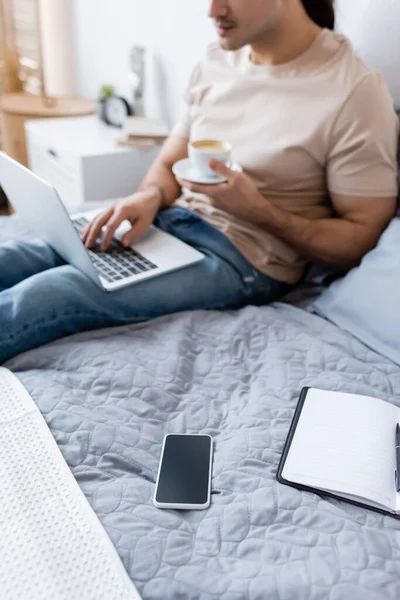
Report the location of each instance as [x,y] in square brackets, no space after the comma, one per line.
[43,299]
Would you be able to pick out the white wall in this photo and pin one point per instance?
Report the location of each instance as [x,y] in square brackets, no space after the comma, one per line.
[176,32]
[374,29]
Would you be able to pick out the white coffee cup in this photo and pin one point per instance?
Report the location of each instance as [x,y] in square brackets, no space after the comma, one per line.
[201,151]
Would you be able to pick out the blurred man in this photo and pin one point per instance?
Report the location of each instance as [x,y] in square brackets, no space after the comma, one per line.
[315,132]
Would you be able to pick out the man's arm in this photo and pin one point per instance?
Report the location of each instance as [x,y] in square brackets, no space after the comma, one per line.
[160,176]
[341,242]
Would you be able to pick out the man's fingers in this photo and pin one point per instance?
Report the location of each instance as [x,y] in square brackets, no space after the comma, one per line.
[84,233]
[221,169]
[94,229]
[112,224]
[138,229]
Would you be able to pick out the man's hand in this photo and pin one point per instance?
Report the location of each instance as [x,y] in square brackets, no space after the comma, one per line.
[140,210]
[239,196]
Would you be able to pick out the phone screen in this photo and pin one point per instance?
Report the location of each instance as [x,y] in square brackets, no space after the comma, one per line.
[185,470]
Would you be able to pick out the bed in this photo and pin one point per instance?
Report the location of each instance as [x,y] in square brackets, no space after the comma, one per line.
[110,396]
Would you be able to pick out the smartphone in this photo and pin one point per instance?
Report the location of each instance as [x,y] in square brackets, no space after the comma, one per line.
[184,475]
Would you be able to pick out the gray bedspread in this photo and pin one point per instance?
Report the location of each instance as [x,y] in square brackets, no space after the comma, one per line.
[110,396]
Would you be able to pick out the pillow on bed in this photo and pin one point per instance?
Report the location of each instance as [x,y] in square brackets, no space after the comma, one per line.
[398,160]
[366,301]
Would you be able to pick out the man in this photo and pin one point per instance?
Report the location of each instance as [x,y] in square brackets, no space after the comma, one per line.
[315,131]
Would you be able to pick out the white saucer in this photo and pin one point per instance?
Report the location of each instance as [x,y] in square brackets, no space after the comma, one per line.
[184,170]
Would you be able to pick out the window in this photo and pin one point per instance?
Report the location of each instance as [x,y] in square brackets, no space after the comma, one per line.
[26,42]
[19,47]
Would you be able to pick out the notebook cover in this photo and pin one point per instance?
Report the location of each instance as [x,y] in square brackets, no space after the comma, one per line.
[307,488]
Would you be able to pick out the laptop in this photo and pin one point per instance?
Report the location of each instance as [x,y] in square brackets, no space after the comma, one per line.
[40,206]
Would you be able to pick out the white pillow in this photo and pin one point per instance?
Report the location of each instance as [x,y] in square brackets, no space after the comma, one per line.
[373,27]
[366,302]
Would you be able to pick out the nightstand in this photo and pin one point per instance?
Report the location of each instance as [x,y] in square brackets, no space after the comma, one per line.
[16,109]
[82,159]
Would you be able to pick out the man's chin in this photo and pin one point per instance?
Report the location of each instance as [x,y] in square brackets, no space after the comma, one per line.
[229,44]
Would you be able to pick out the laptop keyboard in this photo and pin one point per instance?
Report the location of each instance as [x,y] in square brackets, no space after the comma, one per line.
[118,262]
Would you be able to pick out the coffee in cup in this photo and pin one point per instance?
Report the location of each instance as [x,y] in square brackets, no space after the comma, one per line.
[201,151]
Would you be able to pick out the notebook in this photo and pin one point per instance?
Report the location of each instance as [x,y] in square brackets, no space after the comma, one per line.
[343,446]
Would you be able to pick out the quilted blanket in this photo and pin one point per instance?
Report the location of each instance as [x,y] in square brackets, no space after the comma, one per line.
[110,396]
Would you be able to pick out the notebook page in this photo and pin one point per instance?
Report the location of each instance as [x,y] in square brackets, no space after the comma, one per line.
[345,443]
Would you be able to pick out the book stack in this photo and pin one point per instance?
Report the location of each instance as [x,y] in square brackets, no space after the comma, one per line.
[142,132]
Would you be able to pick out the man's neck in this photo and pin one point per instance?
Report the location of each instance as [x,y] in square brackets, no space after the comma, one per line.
[286,43]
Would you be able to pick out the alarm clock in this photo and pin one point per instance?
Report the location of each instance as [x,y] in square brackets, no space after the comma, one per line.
[114,111]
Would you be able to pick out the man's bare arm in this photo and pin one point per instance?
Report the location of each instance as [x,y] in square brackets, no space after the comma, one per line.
[160,176]
[340,241]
